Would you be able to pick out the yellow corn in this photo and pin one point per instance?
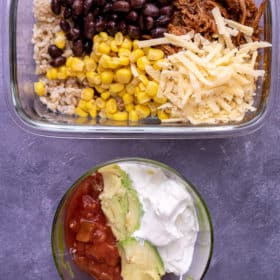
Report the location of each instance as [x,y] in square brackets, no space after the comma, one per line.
[155,54]
[162,115]
[127,44]
[136,54]
[97,39]
[107,77]
[52,73]
[135,44]
[90,105]
[143,79]
[123,75]
[103,48]
[160,100]
[119,38]
[142,111]
[100,89]
[80,112]
[120,116]
[90,64]
[93,78]
[105,95]
[130,88]
[129,107]
[100,103]
[142,62]
[114,46]
[127,98]
[83,105]
[133,116]
[93,112]
[62,73]
[111,106]
[157,64]
[142,87]
[142,97]
[116,87]
[104,61]
[39,88]
[104,36]
[77,65]
[124,61]
[124,52]
[60,40]
[152,88]
[87,94]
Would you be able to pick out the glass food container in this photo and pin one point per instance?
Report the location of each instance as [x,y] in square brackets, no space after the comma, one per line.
[203,246]
[29,113]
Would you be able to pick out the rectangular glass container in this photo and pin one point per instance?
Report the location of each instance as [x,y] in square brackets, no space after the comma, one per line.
[18,68]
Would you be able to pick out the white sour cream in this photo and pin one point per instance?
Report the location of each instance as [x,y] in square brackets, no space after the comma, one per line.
[169,221]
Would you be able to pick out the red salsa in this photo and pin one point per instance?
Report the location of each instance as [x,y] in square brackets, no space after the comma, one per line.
[88,237]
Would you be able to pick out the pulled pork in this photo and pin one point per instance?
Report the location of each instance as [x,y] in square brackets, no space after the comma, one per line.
[196,15]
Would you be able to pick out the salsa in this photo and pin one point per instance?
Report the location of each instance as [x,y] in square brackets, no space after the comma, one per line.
[88,237]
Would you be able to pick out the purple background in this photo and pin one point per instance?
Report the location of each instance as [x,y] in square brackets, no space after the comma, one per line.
[238,178]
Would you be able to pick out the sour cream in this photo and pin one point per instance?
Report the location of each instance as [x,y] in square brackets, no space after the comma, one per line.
[169,221]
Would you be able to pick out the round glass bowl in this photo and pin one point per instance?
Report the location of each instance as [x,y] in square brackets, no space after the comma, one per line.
[203,246]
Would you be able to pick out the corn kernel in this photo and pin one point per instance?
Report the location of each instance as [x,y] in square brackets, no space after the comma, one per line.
[143,79]
[142,87]
[62,73]
[160,100]
[77,65]
[124,52]
[123,75]
[95,57]
[87,94]
[52,73]
[82,105]
[104,61]
[100,89]
[104,36]
[142,62]
[113,63]
[40,88]
[133,116]
[120,116]
[129,107]
[107,77]
[142,97]
[116,87]
[114,46]
[60,40]
[152,88]
[162,115]
[127,98]
[103,48]
[119,38]
[105,95]
[80,112]
[93,112]
[100,103]
[93,78]
[90,64]
[127,44]
[130,88]
[90,105]
[142,111]
[136,54]
[135,44]
[124,61]
[158,64]
[155,54]
[111,106]
[97,39]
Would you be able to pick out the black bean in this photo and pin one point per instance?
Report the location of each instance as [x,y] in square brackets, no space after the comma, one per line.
[132,16]
[163,20]
[100,24]
[100,3]
[114,17]
[56,6]
[88,46]
[164,2]
[87,6]
[65,26]
[137,4]
[141,22]
[78,7]
[166,10]
[54,51]
[73,34]
[112,27]
[89,26]
[151,10]
[78,48]
[59,61]
[107,8]
[67,2]
[67,12]
[121,6]
[133,31]
[158,32]
[96,11]
[149,23]
[122,27]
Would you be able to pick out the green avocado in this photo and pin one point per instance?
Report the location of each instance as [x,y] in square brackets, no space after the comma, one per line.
[120,202]
[140,260]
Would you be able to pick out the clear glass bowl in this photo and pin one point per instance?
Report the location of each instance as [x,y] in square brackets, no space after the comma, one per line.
[203,247]
[16,26]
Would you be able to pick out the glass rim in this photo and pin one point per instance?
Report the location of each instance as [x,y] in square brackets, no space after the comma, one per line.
[138,160]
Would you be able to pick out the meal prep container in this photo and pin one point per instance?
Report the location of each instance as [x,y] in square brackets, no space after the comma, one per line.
[16,27]
[203,246]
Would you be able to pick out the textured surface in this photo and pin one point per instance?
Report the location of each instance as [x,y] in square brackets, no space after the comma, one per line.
[238,178]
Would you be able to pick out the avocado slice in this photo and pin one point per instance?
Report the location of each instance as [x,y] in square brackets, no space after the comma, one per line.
[120,202]
[140,260]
